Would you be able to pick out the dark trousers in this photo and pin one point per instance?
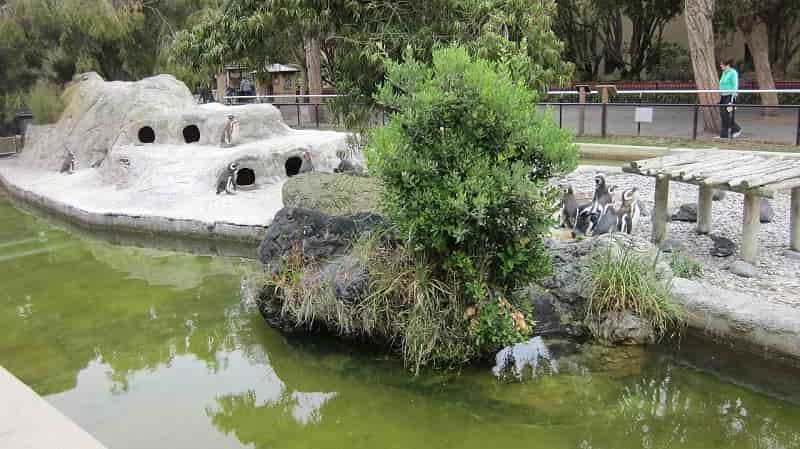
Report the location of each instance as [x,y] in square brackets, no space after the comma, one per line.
[728,123]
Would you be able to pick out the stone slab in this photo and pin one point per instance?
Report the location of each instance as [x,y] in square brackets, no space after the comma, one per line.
[27,421]
[760,326]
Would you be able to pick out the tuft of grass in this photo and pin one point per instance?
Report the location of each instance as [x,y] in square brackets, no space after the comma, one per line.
[45,102]
[423,318]
[685,267]
[626,281]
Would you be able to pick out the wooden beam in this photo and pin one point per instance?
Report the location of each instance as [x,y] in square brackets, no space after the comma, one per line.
[703,170]
[794,240]
[782,175]
[789,184]
[758,173]
[744,169]
[704,202]
[659,161]
[750,227]
[660,211]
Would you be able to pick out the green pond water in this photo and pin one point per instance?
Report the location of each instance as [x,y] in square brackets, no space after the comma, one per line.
[147,348]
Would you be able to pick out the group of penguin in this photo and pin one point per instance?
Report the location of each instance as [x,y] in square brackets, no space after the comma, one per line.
[601,216]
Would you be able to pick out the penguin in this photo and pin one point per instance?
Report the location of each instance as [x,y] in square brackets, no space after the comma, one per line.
[602,194]
[68,166]
[230,134]
[585,220]
[607,221]
[629,211]
[347,166]
[569,207]
[227,180]
[307,165]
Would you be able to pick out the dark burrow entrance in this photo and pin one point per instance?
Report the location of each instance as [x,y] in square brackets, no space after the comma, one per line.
[147,135]
[245,177]
[191,134]
[293,165]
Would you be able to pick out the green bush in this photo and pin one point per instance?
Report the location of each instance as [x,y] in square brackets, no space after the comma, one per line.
[626,281]
[497,324]
[45,102]
[464,162]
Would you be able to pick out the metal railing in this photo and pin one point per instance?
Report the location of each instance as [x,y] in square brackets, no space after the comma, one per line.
[680,119]
[10,145]
[764,129]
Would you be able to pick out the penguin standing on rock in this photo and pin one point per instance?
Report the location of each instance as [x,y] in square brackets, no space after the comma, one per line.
[569,207]
[602,194]
[68,166]
[227,180]
[307,165]
[629,212]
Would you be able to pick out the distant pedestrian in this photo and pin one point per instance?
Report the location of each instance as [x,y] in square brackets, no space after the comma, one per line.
[246,87]
[729,81]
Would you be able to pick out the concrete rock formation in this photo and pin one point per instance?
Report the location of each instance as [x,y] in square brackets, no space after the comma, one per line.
[146,154]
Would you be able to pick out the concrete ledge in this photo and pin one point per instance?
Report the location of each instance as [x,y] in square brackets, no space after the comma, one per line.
[182,228]
[633,152]
[759,326]
[27,421]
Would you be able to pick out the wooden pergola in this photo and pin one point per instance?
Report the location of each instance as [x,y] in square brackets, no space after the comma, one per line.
[755,175]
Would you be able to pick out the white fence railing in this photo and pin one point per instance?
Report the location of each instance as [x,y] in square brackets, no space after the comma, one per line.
[10,145]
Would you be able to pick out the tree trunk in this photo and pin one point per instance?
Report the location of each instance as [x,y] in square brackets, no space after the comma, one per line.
[755,34]
[699,15]
[314,66]
[221,87]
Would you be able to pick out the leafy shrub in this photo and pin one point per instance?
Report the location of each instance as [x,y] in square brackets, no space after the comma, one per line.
[45,102]
[685,267]
[627,281]
[497,324]
[464,162]
[669,62]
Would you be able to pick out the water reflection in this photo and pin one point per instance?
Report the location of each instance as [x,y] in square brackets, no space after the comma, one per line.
[149,348]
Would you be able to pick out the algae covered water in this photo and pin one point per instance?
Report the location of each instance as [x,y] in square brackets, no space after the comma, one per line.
[146,348]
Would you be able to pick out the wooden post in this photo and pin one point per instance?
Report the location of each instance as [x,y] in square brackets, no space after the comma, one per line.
[660,211]
[704,202]
[752,221]
[795,220]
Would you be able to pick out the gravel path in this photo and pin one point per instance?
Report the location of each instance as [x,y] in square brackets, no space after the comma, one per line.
[778,277]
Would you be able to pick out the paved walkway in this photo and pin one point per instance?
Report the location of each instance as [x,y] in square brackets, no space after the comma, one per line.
[678,122]
[29,422]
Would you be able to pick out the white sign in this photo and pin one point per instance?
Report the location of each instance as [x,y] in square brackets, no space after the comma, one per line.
[644,115]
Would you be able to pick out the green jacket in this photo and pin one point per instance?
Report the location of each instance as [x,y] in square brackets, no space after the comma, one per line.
[729,81]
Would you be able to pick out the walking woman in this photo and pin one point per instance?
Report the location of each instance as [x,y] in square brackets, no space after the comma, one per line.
[729,81]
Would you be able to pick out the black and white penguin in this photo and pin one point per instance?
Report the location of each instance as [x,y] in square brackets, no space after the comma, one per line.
[569,207]
[602,194]
[585,220]
[607,220]
[68,166]
[227,180]
[307,165]
[629,212]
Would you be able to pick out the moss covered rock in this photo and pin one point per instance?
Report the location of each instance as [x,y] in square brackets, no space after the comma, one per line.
[333,194]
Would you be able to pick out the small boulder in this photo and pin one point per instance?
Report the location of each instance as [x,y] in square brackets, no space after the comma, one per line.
[317,235]
[767,213]
[672,245]
[718,195]
[743,269]
[687,212]
[333,194]
[622,329]
[723,246]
